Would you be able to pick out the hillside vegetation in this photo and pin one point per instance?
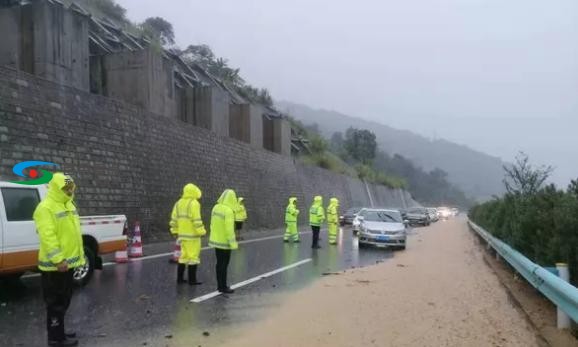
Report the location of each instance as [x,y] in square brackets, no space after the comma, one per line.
[354,157]
[355,154]
[478,175]
[536,219]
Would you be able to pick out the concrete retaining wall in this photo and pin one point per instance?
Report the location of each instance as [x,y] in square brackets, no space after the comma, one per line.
[130,161]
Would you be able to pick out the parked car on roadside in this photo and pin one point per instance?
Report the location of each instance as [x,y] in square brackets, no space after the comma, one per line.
[19,241]
[348,216]
[357,221]
[382,228]
[433,214]
[418,216]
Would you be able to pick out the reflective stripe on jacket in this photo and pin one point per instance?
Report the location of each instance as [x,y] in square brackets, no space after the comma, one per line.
[333,211]
[316,212]
[240,211]
[58,226]
[223,222]
[291,211]
[186,222]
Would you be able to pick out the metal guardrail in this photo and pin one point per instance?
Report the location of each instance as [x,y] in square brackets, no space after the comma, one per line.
[560,292]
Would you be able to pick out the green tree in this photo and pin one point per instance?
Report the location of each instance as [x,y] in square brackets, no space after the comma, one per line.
[160,29]
[360,145]
[573,187]
[109,9]
[523,178]
[318,144]
[200,54]
[337,145]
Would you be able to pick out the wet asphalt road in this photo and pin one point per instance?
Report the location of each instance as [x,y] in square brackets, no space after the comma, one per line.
[139,303]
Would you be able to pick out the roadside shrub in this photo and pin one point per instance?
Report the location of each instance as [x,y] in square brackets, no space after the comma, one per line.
[541,223]
[328,161]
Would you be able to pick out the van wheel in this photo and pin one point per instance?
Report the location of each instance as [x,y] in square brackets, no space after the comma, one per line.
[83,274]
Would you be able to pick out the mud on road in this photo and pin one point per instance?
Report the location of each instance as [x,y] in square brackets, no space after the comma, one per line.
[439,292]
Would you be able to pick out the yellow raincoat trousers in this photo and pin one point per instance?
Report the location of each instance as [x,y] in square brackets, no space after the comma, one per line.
[291,214]
[333,220]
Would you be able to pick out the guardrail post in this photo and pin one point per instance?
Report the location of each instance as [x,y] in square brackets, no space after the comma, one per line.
[564,274]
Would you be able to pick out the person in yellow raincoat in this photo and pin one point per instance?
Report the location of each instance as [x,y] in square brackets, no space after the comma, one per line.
[187,226]
[291,215]
[240,217]
[316,219]
[333,220]
[61,251]
[223,236]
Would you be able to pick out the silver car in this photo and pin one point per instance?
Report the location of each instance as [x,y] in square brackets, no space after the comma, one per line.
[356,224]
[382,228]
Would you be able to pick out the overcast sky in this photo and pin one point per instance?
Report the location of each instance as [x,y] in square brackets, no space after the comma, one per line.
[499,76]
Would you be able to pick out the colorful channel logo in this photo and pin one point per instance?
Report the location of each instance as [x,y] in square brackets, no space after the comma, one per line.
[38,176]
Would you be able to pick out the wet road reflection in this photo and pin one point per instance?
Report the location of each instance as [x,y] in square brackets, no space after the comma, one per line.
[139,302]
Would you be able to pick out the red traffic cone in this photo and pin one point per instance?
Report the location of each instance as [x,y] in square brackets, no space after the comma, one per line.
[135,249]
[176,253]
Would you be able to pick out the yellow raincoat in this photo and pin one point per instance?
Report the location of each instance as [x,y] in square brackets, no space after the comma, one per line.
[58,227]
[186,224]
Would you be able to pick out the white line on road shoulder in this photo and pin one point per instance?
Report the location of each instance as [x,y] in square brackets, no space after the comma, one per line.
[251,280]
[160,255]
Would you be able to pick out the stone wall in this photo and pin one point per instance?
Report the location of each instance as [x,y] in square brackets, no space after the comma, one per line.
[130,161]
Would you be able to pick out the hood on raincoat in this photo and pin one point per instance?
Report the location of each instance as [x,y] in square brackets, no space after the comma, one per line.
[318,200]
[191,191]
[229,199]
[58,181]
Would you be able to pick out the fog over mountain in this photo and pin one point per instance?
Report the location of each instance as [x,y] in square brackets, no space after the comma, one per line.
[497,76]
[476,174]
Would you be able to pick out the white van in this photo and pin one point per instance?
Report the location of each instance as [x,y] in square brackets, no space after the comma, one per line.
[19,239]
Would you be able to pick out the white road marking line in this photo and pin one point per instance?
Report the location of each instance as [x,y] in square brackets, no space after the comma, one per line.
[160,255]
[251,280]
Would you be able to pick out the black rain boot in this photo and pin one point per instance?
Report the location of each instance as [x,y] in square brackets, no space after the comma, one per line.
[181,273]
[193,276]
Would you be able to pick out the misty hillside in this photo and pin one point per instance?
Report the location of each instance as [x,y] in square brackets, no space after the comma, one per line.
[477,174]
